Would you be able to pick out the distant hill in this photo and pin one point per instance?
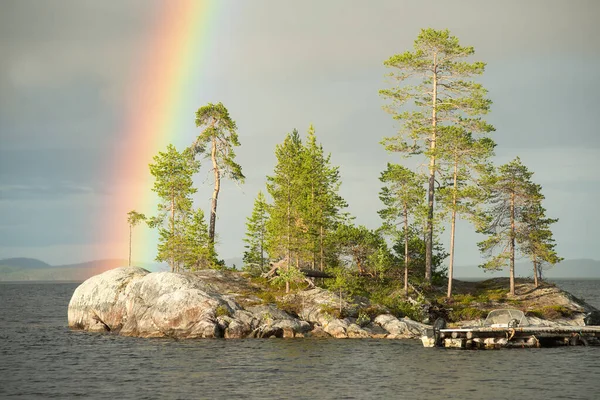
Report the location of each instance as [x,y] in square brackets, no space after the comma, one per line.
[568,269]
[22,262]
[29,269]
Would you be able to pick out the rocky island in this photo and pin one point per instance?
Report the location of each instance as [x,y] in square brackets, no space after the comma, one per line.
[131,301]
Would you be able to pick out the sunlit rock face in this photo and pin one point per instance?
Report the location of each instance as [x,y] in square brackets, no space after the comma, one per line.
[213,304]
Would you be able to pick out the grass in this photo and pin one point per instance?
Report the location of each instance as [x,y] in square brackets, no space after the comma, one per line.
[551,312]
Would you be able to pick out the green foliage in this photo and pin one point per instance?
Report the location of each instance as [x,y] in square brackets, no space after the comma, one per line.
[416,255]
[217,141]
[267,297]
[172,173]
[332,311]
[536,239]
[306,205]
[345,281]
[255,259]
[467,314]
[222,311]
[285,225]
[287,276]
[219,132]
[197,253]
[434,96]
[363,319]
[133,219]
[551,312]
[363,250]
[514,215]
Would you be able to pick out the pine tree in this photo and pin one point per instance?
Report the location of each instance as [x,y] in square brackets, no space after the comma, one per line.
[359,247]
[402,194]
[536,240]
[511,194]
[256,231]
[437,94]
[133,219]
[173,172]
[462,159]
[217,140]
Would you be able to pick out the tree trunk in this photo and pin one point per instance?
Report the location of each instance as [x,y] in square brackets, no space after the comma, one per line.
[321,248]
[512,243]
[130,228]
[452,232]
[262,251]
[172,232]
[431,189]
[405,250]
[535,271]
[215,196]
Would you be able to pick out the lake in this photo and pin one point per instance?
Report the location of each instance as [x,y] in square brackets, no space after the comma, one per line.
[41,358]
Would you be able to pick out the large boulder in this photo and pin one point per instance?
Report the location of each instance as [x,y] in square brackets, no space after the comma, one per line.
[134,302]
[98,304]
[404,328]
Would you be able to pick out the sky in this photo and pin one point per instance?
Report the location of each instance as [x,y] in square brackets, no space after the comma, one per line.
[75,74]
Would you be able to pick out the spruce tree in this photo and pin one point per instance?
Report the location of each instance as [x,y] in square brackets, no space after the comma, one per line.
[285,227]
[322,206]
[434,93]
[196,252]
[402,194]
[173,172]
[255,256]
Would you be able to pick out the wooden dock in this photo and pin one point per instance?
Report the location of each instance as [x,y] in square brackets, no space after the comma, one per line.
[486,337]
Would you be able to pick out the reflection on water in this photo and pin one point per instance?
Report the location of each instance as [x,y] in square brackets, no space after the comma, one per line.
[40,357]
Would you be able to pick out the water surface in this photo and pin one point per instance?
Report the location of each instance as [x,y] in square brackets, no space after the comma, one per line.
[41,358]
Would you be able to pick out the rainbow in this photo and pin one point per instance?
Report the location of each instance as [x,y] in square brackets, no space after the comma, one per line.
[164,94]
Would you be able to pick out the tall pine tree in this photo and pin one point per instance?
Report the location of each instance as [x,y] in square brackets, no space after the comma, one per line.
[434,92]
[217,141]
[462,160]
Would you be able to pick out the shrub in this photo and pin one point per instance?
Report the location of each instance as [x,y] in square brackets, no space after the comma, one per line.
[552,312]
[222,311]
[332,311]
[363,319]
[467,313]
[266,297]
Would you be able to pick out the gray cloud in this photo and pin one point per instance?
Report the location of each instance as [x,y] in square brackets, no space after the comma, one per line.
[67,68]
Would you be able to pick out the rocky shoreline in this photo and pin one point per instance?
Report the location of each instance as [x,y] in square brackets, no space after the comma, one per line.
[131,301]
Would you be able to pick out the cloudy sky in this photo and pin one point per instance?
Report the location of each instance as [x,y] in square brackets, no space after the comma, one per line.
[67,68]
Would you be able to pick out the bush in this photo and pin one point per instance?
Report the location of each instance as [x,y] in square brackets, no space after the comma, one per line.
[333,311]
[552,312]
[363,319]
[466,314]
[266,297]
[222,311]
